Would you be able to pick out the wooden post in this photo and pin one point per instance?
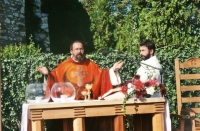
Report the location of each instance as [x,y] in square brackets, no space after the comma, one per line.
[158,122]
[79,124]
[37,125]
[119,123]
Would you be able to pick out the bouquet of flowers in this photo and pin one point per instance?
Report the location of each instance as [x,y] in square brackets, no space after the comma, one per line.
[142,90]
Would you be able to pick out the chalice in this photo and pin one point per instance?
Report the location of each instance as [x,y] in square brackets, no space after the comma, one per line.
[84,93]
[88,87]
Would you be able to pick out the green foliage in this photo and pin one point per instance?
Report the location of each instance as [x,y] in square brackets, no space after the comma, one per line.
[167,56]
[168,23]
[106,62]
[13,51]
[19,64]
[126,25]
[173,25]
[14,65]
[18,73]
[99,12]
[119,24]
[122,24]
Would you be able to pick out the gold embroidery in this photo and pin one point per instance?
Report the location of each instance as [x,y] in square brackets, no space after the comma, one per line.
[80,75]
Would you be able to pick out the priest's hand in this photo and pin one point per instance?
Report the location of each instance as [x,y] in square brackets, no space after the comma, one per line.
[43,70]
[118,65]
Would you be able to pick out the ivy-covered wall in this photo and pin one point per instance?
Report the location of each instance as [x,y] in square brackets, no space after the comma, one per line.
[19,69]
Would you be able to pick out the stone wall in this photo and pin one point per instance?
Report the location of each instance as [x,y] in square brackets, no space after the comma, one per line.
[60,21]
[12,22]
[42,34]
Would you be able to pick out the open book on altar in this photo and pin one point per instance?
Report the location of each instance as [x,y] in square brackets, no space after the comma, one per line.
[112,94]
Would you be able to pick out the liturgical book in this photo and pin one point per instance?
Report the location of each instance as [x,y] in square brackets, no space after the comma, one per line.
[114,93]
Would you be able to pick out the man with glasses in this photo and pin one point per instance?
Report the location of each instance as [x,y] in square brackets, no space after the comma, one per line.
[80,71]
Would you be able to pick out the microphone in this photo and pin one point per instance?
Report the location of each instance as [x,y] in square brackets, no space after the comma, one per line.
[160,69]
[106,52]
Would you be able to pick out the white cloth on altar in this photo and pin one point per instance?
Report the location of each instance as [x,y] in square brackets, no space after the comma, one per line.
[24,117]
[167,119]
[115,80]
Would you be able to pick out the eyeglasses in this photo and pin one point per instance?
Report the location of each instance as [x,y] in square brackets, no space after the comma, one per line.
[77,49]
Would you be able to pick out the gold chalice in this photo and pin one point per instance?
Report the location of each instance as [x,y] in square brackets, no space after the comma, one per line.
[88,87]
[84,93]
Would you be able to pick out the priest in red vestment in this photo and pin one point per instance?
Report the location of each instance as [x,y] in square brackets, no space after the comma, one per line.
[79,71]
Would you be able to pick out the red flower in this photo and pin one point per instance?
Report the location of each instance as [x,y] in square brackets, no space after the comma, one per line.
[124,89]
[121,84]
[163,90]
[161,86]
[128,81]
[139,94]
[153,82]
[137,77]
[140,87]
[138,84]
[147,84]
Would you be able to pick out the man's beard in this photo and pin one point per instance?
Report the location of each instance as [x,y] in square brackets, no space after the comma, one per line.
[79,57]
[145,57]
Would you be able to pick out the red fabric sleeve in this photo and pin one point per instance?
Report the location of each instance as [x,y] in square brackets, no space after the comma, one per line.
[50,81]
[105,82]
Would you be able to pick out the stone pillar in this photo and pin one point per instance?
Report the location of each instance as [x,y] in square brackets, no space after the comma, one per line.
[12,22]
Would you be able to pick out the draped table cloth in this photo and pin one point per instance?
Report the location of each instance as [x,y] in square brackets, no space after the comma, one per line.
[79,110]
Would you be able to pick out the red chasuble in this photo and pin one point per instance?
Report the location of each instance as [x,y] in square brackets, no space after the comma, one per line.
[79,74]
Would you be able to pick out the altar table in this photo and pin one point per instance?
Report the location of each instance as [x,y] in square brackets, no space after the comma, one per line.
[78,110]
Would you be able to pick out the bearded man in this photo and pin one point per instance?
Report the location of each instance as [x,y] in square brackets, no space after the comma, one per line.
[147,50]
[149,69]
[79,71]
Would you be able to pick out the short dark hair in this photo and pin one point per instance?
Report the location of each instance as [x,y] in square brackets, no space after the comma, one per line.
[78,41]
[149,44]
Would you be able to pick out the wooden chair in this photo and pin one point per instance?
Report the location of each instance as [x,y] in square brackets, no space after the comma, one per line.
[186,99]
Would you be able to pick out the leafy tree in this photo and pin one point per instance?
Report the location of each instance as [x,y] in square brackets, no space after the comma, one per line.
[122,24]
[102,23]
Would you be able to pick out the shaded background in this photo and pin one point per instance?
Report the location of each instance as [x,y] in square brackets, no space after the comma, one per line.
[67,21]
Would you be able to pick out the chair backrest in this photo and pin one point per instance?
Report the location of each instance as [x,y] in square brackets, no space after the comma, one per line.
[181,77]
